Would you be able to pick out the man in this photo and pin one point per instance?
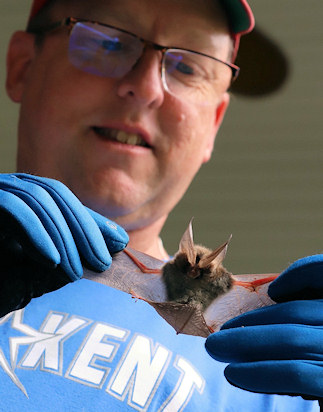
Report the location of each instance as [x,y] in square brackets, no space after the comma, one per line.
[123,112]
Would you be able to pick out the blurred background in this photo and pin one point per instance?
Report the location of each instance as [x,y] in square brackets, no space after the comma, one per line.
[264,183]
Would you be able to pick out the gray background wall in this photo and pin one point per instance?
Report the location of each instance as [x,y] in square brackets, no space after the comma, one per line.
[264,183]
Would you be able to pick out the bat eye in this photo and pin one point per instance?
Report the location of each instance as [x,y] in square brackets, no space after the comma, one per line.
[198,258]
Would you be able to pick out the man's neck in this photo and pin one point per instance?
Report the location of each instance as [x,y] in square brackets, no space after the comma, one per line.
[147,240]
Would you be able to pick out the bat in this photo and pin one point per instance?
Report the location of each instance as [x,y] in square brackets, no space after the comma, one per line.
[193,292]
[196,275]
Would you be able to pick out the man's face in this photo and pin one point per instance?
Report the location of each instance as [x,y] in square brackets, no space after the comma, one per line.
[69,118]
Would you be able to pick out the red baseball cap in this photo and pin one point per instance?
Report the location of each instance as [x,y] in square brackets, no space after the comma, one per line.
[239,14]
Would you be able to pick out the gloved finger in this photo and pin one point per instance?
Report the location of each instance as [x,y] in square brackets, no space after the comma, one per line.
[301,377]
[22,279]
[86,233]
[52,219]
[21,219]
[266,342]
[301,280]
[114,235]
[306,312]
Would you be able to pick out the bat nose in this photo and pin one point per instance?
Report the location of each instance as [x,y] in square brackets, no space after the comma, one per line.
[194,273]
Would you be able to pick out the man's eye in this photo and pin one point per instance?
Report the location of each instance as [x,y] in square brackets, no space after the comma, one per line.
[184,68]
[112,45]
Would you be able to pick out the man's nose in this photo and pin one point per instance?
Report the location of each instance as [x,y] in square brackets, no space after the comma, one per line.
[143,83]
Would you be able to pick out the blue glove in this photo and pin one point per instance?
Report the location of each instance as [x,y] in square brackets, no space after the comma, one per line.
[279,349]
[46,232]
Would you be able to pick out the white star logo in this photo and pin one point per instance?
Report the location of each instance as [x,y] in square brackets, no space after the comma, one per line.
[30,336]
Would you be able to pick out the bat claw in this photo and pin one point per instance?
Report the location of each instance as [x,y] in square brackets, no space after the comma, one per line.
[134,295]
[137,297]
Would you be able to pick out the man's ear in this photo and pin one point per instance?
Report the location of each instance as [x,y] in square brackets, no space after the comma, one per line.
[21,52]
[219,115]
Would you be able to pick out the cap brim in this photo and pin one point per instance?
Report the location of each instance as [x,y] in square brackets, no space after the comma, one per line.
[264,65]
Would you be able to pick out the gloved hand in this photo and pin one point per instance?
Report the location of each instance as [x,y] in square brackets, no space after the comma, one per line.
[46,234]
[279,349]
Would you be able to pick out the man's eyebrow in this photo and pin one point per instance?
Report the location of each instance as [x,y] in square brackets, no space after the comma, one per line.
[193,40]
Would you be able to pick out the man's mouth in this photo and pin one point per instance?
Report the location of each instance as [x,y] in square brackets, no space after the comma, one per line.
[121,136]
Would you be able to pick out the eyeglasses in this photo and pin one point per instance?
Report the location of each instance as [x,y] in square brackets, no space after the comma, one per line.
[107,51]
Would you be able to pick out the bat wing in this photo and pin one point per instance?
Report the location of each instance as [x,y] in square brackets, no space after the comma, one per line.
[125,275]
[237,301]
[184,318]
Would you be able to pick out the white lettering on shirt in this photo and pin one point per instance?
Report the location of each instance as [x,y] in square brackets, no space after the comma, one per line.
[183,391]
[49,353]
[97,347]
[139,372]
[136,370]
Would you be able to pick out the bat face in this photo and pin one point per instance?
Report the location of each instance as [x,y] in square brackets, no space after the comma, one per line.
[196,274]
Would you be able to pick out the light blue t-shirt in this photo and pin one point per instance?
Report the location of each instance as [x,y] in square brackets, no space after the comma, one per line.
[88,347]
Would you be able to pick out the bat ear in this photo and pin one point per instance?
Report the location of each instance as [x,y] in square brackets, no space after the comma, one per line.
[186,245]
[216,257]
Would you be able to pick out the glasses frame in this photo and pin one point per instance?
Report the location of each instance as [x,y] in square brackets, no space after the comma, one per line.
[70,22]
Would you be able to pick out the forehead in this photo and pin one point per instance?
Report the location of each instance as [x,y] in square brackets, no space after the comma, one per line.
[201,23]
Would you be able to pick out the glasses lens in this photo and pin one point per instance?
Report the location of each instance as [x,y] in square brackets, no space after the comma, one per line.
[194,77]
[102,50]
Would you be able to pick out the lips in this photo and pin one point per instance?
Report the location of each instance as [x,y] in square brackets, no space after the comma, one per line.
[121,136]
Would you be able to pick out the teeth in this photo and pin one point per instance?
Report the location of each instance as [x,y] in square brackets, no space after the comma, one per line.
[122,137]
[128,138]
